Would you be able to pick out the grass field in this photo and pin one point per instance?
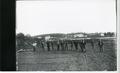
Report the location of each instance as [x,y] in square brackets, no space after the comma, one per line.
[92,60]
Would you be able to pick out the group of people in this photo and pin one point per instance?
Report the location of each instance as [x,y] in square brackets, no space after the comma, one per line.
[66,45]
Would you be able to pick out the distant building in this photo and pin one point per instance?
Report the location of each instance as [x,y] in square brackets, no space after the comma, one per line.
[47,37]
[94,35]
[39,37]
[102,34]
[80,35]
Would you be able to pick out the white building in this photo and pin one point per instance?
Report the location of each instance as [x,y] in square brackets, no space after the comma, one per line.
[102,34]
[39,37]
[47,37]
[80,35]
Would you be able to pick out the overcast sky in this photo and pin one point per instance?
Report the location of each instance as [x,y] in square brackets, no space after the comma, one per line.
[55,16]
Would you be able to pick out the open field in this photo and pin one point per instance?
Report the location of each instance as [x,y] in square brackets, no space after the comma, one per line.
[92,60]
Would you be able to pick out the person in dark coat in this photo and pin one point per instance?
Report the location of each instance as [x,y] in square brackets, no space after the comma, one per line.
[83,45]
[62,45]
[48,45]
[76,44]
[92,43]
[66,45]
[80,45]
[42,45]
[100,45]
[52,45]
[71,44]
[58,45]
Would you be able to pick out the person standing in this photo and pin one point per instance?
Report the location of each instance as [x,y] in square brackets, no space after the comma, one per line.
[48,45]
[81,45]
[62,45]
[58,45]
[71,44]
[52,45]
[66,45]
[84,45]
[42,45]
[76,44]
[34,46]
[92,43]
[100,45]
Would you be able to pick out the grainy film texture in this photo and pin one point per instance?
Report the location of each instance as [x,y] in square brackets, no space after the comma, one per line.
[67,35]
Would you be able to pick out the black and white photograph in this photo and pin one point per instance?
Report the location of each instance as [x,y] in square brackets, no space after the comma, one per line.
[66,35]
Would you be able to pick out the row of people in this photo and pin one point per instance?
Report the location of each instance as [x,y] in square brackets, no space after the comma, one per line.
[62,45]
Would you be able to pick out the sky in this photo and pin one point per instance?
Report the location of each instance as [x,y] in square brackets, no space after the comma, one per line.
[65,16]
